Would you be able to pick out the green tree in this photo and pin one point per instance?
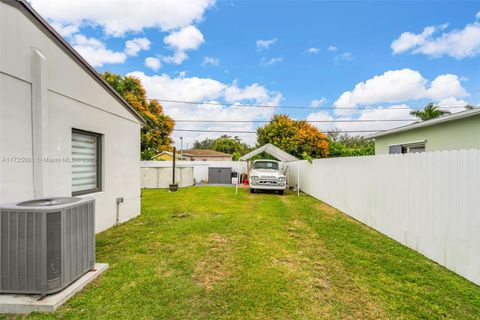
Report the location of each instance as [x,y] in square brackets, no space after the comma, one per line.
[430,111]
[299,138]
[236,156]
[469,107]
[156,135]
[225,143]
[229,145]
[344,145]
[206,143]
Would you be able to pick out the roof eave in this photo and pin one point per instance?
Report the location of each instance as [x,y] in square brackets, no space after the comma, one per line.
[417,125]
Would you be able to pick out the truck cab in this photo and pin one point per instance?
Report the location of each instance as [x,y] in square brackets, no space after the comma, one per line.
[267,175]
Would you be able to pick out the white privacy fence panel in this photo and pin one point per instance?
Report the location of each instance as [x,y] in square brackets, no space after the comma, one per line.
[161,177]
[429,202]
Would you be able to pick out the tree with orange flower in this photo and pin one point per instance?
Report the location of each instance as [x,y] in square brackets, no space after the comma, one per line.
[156,135]
[299,138]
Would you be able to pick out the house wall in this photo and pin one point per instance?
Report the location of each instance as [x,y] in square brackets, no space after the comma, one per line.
[164,157]
[426,201]
[453,135]
[44,93]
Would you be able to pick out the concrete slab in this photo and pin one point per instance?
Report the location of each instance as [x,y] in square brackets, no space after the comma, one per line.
[24,304]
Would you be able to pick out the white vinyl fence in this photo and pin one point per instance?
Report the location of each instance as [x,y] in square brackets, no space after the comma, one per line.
[161,177]
[200,168]
[429,202]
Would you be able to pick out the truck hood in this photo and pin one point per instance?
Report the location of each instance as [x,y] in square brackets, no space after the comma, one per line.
[266,173]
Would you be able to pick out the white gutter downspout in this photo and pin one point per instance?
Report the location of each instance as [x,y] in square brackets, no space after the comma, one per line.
[39,123]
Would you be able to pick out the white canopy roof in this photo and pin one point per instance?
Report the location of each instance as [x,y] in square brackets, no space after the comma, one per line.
[271,150]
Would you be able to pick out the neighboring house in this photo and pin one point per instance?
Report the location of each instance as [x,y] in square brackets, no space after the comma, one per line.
[63,130]
[453,132]
[166,156]
[205,155]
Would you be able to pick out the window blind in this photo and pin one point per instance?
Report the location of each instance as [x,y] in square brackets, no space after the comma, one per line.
[395,149]
[84,161]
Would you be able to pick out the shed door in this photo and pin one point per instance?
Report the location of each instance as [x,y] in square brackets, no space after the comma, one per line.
[220,175]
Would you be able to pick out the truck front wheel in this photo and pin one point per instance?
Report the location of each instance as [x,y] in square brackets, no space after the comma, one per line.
[252,190]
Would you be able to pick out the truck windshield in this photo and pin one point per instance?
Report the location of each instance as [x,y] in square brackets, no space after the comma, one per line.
[265,165]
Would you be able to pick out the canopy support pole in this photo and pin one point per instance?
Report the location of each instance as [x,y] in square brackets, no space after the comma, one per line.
[298,178]
[238,177]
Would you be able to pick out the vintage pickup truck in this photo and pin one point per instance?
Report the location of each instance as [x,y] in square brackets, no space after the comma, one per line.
[266,175]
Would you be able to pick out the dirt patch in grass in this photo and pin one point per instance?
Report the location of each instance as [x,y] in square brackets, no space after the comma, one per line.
[181,214]
[328,287]
[325,208]
[214,266]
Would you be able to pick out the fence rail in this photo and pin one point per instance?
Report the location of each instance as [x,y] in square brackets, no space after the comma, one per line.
[429,202]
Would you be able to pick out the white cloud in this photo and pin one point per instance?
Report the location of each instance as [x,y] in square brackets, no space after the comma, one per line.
[321,116]
[268,63]
[446,86]
[210,61]
[210,90]
[134,46]
[332,48]
[188,38]
[95,52]
[313,50]
[477,16]
[65,30]
[346,56]
[458,43]
[177,58]
[153,63]
[394,112]
[254,92]
[452,104]
[265,44]
[117,18]
[408,40]
[399,85]
[392,86]
[315,103]
[181,88]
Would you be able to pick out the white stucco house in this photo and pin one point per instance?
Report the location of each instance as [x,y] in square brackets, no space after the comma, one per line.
[63,130]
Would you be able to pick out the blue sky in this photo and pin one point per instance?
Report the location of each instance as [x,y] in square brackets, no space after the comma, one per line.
[367,56]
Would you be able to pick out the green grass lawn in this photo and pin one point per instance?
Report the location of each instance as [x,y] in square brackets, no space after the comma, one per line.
[203,253]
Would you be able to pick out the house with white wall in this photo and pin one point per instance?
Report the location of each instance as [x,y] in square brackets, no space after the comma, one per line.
[64,131]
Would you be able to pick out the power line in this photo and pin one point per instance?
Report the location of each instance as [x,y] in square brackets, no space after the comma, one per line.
[449,106]
[251,132]
[310,121]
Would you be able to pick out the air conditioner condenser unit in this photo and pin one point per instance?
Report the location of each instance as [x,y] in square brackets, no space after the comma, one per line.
[46,244]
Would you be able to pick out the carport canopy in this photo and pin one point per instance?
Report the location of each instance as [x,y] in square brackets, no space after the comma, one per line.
[275,152]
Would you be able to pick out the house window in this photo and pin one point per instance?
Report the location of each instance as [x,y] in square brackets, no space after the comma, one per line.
[86,162]
[412,147]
